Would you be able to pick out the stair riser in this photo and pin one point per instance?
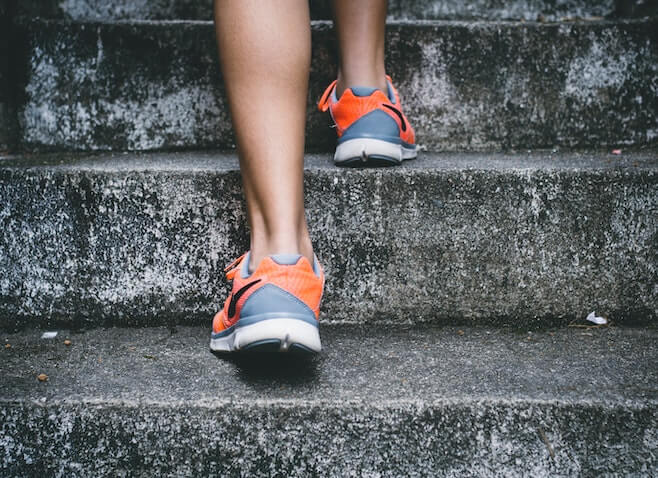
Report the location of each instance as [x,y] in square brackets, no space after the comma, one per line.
[465,86]
[7,117]
[321,9]
[486,245]
[446,439]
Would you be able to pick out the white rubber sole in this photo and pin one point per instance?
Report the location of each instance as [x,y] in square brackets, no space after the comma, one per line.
[292,334]
[368,149]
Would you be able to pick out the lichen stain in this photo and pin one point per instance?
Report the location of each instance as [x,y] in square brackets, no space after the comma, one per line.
[607,65]
[163,114]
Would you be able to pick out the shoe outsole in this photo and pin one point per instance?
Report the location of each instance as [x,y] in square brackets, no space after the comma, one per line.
[369,152]
[274,335]
[371,161]
[274,346]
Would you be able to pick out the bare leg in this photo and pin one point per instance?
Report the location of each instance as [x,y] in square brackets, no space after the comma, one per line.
[360,27]
[265,50]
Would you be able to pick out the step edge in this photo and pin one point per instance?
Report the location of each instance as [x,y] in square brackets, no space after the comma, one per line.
[328,24]
[349,404]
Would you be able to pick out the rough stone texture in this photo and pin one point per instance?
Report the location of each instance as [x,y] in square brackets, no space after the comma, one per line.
[505,239]
[377,402]
[321,10]
[636,8]
[7,122]
[545,10]
[100,87]
[144,86]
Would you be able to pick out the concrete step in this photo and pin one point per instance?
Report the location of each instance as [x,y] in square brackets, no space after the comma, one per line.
[478,86]
[377,402]
[321,9]
[522,239]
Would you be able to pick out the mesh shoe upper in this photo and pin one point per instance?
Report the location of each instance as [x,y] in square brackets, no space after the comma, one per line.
[356,103]
[273,288]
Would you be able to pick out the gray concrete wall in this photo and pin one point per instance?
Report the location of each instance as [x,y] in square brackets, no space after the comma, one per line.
[480,86]
[551,10]
[7,119]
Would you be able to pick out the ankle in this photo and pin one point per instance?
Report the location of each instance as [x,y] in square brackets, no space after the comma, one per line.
[372,80]
[279,245]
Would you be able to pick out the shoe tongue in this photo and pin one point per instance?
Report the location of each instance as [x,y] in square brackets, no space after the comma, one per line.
[286,259]
[363,90]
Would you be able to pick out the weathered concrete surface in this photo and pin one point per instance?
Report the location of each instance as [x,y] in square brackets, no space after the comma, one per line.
[145,86]
[7,120]
[505,239]
[636,8]
[321,10]
[376,402]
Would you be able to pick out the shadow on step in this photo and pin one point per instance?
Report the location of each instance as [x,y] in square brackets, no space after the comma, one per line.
[266,368]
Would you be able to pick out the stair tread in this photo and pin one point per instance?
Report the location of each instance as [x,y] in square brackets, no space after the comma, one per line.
[364,366]
[324,24]
[639,160]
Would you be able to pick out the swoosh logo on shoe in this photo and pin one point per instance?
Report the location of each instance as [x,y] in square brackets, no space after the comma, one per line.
[399,113]
[236,297]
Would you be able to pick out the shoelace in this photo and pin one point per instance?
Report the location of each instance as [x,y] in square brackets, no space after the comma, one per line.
[323,104]
[231,269]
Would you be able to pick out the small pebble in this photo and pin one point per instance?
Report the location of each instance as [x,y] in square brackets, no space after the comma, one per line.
[67,342]
[460,332]
[7,346]
[42,377]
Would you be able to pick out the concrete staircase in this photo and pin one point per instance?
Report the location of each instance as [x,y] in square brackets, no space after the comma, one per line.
[458,283]
[384,401]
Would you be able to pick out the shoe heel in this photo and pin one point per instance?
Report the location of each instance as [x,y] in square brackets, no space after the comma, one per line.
[368,152]
[278,335]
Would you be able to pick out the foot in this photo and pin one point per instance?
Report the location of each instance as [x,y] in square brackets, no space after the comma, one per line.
[273,309]
[372,129]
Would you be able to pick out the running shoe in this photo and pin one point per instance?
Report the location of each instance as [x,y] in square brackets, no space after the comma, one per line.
[273,309]
[372,129]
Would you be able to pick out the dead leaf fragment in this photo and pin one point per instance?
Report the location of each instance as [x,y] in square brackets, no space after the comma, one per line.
[42,377]
[67,342]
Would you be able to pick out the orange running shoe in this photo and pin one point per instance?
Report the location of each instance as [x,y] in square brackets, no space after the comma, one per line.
[273,309]
[372,130]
